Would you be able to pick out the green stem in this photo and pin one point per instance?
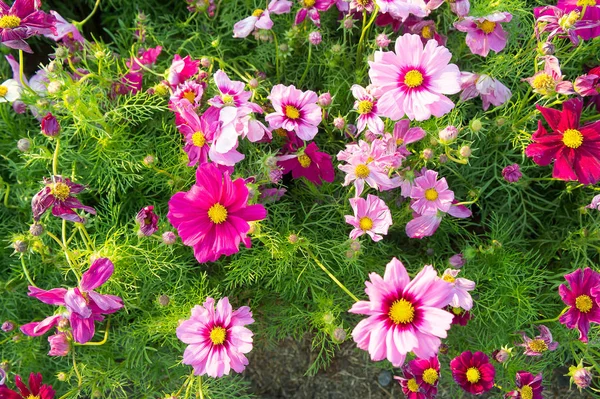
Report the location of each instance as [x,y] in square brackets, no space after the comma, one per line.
[364,32]
[553,319]
[55,158]
[331,276]
[27,272]
[307,65]
[277,72]
[21,73]
[187,21]
[80,24]
[200,387]
[79,379]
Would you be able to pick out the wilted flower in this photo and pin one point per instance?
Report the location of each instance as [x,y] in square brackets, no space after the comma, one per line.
[550,81]
[448,134]
[502,355]
[169,238]
[595,204]
[540,344]
[182,69]
[581,376]
[311,8]
[8,326]
[315,38]
[260,19]
[490,90]
[324,99]
[460,289]
[382,40]
[59,344]
[58,195]
[473,372]
[457,261]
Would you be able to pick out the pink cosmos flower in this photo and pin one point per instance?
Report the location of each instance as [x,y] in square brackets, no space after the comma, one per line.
[404,315]
[189,91]
[404,135]
[485,33]
[427,30]
[473,372]
[595,204]
[64,30]
[295,110]
[23,20]
[427,375]
[410,387]
[401,9]
[261,19]
[213,216]
[425,225]
[458,7]
[309,163]
[489,89]
[371,216]
[217,338]
[588,84]
[58,195]
[431,194]
[148,220]
[582,300]
[366,106]
[311,8]
[460,289]
[528,386]
[550,81]
[182,69]
[540,344]
[361,170]
[361,5]
[232,93]
[570,24]
[59,344]
[414,79]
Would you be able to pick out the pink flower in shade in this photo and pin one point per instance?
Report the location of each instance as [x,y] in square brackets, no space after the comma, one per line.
[189,91]
[35,390]
[310,163]
[366,106]
[427,30]
[59,344]
[182,69]
[460,289]
[458,7]
[404,135]
[371,216]
[588,84]
[489,89]
[540,344]
[550,81]
[58,195]
[23,20]
[414,79]
[410,387]
[295,110]
[512,173]
[473,372]
[431,194]
[573,148]
[582,300]
[461,316]
[217,338]
[64,30]
[404,315]
[148,220]
[311,8]
[421,377]
[595,204]
[485,33]
[213,216]
[261,19]
[528,386]
[425,225]
[401,9]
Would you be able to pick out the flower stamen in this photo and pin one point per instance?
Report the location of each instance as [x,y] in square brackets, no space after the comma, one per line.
[60,190]
[304,160]
[572,138]
[431,194]
[362,171]
[10,22]
[217,335]
[217,213]
[292,112]
[402,312]
[198,139]
[413,78]
[430,376]
[584,303]
[487,26]
[365,223]
[473,375]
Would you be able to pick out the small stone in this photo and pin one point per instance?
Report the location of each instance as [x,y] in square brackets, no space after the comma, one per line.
[384,378]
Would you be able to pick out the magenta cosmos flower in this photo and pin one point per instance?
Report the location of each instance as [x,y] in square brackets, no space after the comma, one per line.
[574,149]
[366,106]
[414,79]
[404,315]
[431,194]
[540,344]
[582,300]
[261,19]
[485,33]
[199,133]
[217,339]
[182,69]
[189,91]
[295,110]
[404,135]
[460,289]
[512,173]
[148,220]
[23,20]
[550,81]
[58,195]
[421,377]
[473,372]
[371,216]
[311,8]
[35,390]
[213,216]
[528,386]
[491,90]
[310,163]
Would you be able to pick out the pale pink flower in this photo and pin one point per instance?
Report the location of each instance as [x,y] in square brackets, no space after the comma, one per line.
[425,225]
[59,344]
[232,92]
[431,194]
[311,9]
[261,19]
[489,89]
[485,33]
[371,216]
[404,315]
[414,79]
[401,9]
[595,204]
[550,81]
[458,7]
[460,289]
[295,110]
[366,106]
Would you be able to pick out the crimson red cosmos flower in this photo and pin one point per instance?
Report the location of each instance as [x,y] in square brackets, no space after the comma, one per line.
[23,20]
[473,372]
[310,163]
[35,390]
[528,386]
[582,300]
[427,374]
[574,149]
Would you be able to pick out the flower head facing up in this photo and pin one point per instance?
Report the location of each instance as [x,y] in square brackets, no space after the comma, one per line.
[10,90]
[23,20]
[550,81]
[426,373]
[414,79]
[404,315]
[573,148]
[35,390]
[189,91]
[528,386]
[212,217]
[371,216]
[366,107]
[58,194]
[217,338]
[148,220]
[473,372]
[199,133]
[311,164]
[485,33]
[295,110]
[582,299]
[430,194]
[540,344]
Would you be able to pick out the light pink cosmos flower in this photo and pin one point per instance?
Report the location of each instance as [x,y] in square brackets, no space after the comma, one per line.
[414,79]
[366,106]
[371,216]
[361,5]
[540,344]
[550,81]
[458,7]
[404,134]
[59,344]
[595,204]
[261,19]
[182,69]
[311,8]
[217,338]
[460,289]
[363,168]
[431,194]
[64,30]
[189,91]
[489,89]
[404,315]
[295,110]
[232,92]
[401,9]
[485,33]
[426,225]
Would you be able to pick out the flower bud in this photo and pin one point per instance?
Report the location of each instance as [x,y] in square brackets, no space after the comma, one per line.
[382,40]
[465,151]
[169,238]
[339,334]
[275,175]
[284,47]
[476,125]
[581,376]
[512,173]
[336,49]
[20,246]
[457,261]
[253,83]
[443,158]
[355,245]
[315,38]
[205,62]
[328,318]
[52,66]
[54,87]
[430,252]
[61,376]
[19,107]
[36,229]
[161,89]
[547,48]
[348,23]
[8,326]
[61,52]
[149,160]
[50,126]
[59,345]
[448,134]
[164,300]
[23,145]
[324,100]
[339,123]
[293,238]
[427,153]
[350,254]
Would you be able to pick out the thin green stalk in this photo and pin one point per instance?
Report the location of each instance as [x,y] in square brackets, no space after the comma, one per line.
[55,158]
[553,319]
[79,379]
[27,272]
[80,24]
[200,387]
[364,32]
[307,65]
[277,71]
[21,73]
[331,276]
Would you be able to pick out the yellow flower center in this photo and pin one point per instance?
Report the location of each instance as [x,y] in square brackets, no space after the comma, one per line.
[3,90]
[457,311]
[227,99]
[60,190]
[572,138]
[304,160]
[292,112]
[399,141]
[281,132]
[309,3]
[190,96]
[365,223]
[33,397]
[217,213]
[258,12]
[402,312]
[526,392]
[538,345]
[473,375]
[198,139]
[365,107]
[487,26]
[583,303]
[566,21]
[431,194]
[413,78]
[412,385]
[448,278]
[430,376]
[10,22]
[543,82]
[217,335]
[362,171]
[581,3]
[427,32]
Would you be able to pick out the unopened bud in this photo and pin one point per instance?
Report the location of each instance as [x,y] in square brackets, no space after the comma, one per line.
[20,246]
[293,238]
[465,151]
[36,229]
[427,153]
[169,238]
[23,145]
[164,300]
[339,334]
